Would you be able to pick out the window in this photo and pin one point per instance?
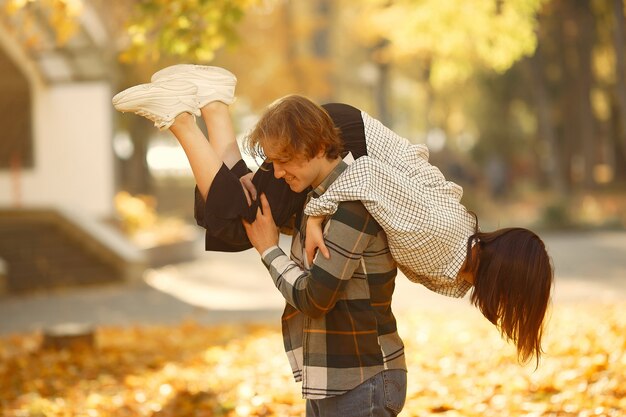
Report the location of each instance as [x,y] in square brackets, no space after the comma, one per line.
[16,144]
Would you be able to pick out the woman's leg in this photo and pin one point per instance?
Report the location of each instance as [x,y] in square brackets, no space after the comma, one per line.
[170,104]
[203,159]
[219,126]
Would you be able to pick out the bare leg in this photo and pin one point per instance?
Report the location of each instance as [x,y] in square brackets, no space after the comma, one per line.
[204,161]
[219,126]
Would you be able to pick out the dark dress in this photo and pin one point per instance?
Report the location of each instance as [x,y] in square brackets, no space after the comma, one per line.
[226,203]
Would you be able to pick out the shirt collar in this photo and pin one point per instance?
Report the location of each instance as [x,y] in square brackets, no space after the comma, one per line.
[341,166]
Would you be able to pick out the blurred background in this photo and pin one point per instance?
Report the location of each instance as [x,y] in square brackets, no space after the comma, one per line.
[522,102]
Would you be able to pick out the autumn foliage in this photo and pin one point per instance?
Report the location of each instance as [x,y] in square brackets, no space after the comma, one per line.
[458,366]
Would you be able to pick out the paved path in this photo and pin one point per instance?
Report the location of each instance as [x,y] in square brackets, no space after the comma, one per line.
[218,288]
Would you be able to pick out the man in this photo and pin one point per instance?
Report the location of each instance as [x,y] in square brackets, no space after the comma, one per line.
[338,328]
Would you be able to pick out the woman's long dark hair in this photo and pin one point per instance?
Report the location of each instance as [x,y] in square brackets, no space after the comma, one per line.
[513,280]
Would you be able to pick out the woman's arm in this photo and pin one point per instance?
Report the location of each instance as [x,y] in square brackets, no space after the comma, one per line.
[315,239]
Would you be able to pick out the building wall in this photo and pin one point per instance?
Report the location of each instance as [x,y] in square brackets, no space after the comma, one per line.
[73,157]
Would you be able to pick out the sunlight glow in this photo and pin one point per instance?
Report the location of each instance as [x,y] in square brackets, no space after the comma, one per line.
[436,140]
[166,159]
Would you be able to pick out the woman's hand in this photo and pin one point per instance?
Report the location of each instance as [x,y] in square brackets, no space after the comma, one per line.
[315,239]
[263,233]
[248,187]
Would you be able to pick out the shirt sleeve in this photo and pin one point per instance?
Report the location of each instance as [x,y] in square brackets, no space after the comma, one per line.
[314,292]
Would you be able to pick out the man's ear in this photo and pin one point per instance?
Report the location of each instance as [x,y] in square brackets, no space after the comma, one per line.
[321,153]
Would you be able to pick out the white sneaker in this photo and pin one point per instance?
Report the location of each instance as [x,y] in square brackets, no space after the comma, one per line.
[159,102]
[214,83]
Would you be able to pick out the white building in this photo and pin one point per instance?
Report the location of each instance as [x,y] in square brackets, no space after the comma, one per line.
[56,117]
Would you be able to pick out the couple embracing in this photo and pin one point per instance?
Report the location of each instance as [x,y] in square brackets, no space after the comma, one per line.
[361,202]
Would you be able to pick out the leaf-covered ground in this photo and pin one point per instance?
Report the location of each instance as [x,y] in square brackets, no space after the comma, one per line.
[458,364]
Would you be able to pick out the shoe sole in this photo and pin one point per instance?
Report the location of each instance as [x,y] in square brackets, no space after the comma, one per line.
[201,71]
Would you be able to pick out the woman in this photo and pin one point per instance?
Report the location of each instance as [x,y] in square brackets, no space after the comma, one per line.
[509,269]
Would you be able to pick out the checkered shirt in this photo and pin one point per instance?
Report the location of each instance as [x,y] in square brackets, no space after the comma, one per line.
[338,327]
[420,211]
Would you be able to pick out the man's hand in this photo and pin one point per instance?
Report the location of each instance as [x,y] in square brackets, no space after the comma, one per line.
[315,239]
[248,187]
[263,233]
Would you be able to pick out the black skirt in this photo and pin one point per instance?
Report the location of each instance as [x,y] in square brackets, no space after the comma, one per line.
[226,202]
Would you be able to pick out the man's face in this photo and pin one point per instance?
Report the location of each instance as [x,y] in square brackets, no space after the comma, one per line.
[298,172]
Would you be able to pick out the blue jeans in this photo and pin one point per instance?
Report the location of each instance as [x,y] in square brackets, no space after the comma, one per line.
[382,395]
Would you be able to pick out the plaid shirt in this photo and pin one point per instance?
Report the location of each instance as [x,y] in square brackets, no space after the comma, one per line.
[426,224]
[338,328]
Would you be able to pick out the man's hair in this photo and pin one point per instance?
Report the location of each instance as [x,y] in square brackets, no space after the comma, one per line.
[294,126]
[513,278]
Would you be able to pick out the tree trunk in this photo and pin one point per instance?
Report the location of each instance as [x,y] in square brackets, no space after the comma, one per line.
[138,179]
[545,124]
[325,10]
[620,72]
[619,157]
[570,139]
[586,35]
[292,54]
[382,95]
[382,88]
